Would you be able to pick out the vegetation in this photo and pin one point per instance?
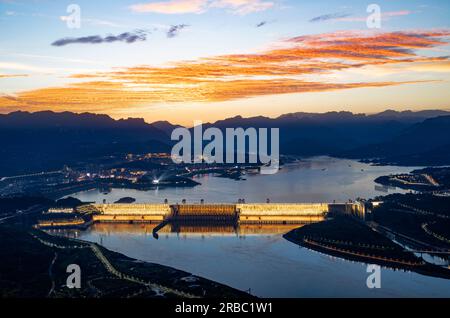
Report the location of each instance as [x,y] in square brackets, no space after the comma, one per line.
[428,179]
[348,238]
[69,202]
[126,200]
[343,232]
[34,266]
[408,214]
[8,205]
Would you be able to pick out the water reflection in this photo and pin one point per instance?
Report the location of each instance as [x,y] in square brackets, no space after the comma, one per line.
[178,228]
[257,257]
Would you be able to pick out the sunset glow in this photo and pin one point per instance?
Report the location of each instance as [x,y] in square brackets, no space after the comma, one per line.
[233,82]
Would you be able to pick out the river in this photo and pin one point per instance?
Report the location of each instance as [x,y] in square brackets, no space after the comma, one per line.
[320,179]
[258,258]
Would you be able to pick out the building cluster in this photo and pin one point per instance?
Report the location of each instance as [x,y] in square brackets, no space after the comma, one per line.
[64,181]
[35,183]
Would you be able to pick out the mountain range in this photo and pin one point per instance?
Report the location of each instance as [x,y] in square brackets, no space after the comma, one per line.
[33,142]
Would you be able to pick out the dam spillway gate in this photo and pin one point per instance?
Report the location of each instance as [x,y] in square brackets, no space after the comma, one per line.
[205,213]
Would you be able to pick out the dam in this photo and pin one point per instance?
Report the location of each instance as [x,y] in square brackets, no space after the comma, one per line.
[252,213]
[128,213]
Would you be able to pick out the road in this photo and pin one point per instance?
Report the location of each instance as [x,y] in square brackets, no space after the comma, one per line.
[416,244]
[158,289]
[423,212]
[31,175]
[30,210]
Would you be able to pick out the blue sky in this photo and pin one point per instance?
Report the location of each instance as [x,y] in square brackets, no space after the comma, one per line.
[211,28]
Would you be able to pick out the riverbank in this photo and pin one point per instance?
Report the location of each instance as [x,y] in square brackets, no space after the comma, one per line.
[349,239]
[423,217]
[35,265]
[427,179]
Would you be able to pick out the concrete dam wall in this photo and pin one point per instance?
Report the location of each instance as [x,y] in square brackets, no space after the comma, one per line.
[282,213]
[145,213]
[255,213]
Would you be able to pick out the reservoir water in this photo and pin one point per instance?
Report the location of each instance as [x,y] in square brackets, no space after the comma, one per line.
[257,258]
[320,179]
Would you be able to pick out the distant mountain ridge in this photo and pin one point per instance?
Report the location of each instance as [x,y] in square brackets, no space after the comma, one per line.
[165,126]
[48,119]
[425,143]
[31,142]
[418,115]
[341,134]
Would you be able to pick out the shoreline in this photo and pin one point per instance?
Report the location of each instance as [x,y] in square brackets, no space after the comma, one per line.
[355,253]
[104,273]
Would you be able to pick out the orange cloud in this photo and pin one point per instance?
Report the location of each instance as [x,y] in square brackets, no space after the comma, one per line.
[280,70]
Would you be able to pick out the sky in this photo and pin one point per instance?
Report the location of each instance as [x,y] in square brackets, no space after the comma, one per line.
[186,60]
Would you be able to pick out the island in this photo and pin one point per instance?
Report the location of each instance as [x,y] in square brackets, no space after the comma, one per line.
[125,200]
